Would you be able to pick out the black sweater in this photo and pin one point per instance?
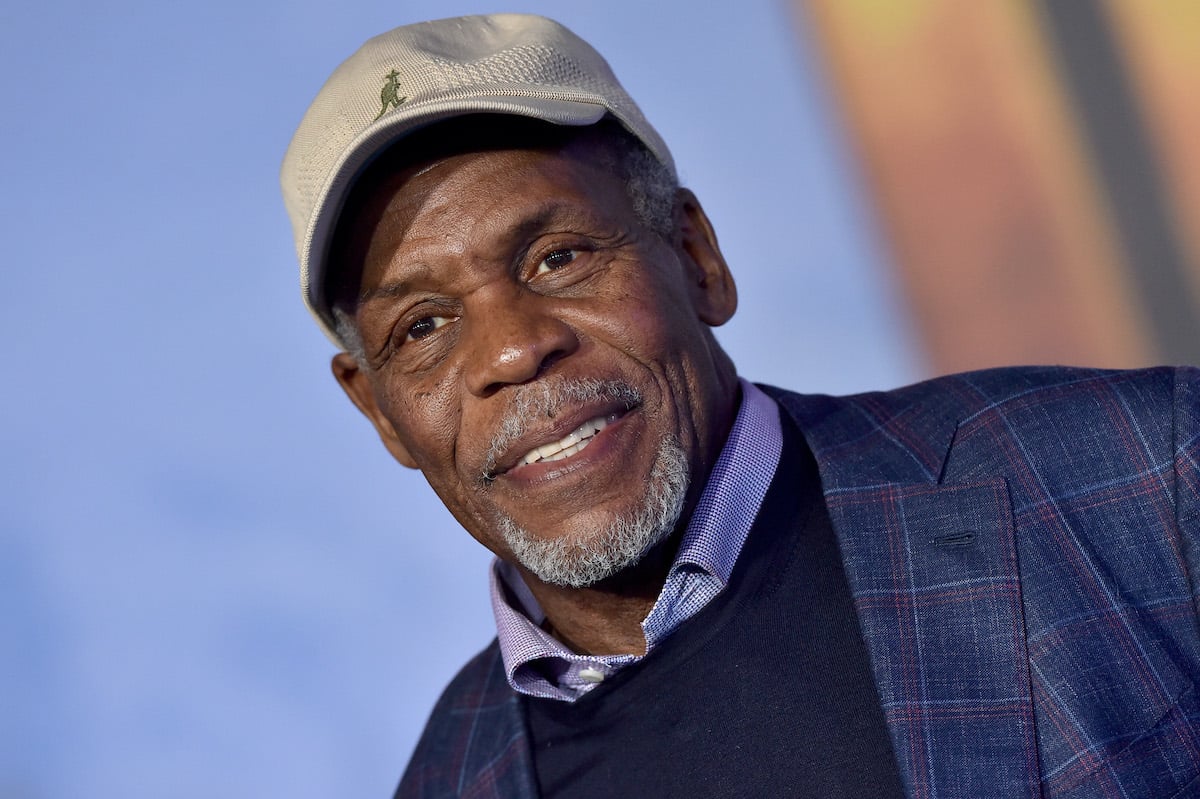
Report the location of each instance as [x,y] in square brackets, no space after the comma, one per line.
[766,692]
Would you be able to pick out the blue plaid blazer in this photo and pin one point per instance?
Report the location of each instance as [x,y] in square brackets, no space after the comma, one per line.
[1022,547]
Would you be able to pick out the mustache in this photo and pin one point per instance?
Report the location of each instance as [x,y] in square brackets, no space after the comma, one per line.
[546,399]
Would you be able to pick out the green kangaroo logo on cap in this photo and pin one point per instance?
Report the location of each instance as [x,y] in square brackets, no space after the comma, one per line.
[389,95]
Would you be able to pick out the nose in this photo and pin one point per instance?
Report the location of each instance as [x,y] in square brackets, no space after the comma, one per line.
[512,338]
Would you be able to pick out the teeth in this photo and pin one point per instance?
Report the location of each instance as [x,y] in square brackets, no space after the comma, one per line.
[568,445]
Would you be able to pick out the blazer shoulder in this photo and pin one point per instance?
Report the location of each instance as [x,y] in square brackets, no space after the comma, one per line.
[905,434]
[970,392]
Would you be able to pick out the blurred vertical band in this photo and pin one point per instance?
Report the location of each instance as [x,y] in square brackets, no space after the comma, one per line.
[1033,169]
[1160,44]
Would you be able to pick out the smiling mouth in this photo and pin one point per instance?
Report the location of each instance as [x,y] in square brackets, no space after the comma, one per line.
[554,399]
[571,444]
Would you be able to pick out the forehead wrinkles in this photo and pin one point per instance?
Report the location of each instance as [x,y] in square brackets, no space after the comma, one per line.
[419,217]
[485,180]
[399,192]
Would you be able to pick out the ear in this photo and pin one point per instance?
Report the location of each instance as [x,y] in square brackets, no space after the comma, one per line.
[713,289]
[357,385]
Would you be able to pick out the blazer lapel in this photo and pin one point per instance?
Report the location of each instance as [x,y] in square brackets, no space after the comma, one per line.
[933,570]
[934,577]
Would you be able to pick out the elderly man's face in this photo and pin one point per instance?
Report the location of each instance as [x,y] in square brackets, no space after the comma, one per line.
[540,355]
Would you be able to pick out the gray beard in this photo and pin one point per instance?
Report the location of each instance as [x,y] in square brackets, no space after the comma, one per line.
[583,559]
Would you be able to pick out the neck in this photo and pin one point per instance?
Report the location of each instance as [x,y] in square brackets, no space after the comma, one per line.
[606,618]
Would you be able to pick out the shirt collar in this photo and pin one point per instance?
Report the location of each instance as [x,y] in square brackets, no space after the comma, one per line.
[735,489]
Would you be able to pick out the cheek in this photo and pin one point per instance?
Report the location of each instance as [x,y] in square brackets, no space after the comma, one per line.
[426,418]
[652,322]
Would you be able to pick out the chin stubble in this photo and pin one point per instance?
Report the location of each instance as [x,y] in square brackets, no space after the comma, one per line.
[584,558]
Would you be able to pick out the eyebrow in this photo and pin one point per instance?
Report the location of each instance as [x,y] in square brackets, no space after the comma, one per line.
[394,289]
[543,215]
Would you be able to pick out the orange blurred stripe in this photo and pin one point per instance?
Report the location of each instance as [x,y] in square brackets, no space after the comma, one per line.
[996,221]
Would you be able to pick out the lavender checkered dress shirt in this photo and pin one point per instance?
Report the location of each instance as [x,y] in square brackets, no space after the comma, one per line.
[710,546]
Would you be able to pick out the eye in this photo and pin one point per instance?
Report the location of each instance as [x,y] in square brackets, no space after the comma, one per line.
[424,326]
[556,260]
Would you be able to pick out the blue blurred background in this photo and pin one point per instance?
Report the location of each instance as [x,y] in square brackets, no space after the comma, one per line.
[213,579]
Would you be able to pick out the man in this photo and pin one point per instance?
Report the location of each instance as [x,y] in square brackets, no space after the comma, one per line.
[983,585]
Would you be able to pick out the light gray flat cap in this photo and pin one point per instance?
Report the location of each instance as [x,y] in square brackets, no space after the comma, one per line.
[417,74]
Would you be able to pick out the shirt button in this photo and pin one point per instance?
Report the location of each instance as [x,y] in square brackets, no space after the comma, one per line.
[591,675]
